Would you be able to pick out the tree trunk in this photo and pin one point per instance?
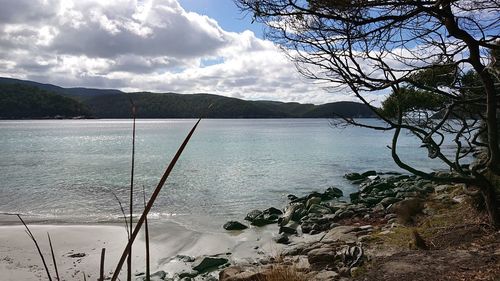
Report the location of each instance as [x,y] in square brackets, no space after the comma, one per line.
[491,196]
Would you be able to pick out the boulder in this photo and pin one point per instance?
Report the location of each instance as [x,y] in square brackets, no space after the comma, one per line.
[282,239]
[313,200]
[273,211]
[261,221]
[299,213]
[326,275]
[353,176]
[354,197]
[333,192]
[368,174]
[206,262]
[407,209]
[343,233]
[319,209]
[253,215]
[290,228]
[234,225]
[388,201]
[187,273]
[321,257]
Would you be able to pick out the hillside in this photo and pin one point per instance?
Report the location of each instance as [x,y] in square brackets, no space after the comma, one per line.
[109,103]
[24,101]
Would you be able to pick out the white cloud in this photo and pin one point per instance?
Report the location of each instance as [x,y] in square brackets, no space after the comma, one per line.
[144,45]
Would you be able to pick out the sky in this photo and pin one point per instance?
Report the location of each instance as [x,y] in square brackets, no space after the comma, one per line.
[182,46]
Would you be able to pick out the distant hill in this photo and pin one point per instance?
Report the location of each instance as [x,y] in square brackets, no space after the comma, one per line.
[25,101]
[109,103]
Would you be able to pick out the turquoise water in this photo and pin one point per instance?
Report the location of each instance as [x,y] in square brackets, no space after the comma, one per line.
[67,170]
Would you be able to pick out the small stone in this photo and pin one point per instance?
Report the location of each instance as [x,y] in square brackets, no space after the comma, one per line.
[185,273]
[353,176]
[234,225]
[282,239]
[207,262]
[185,258]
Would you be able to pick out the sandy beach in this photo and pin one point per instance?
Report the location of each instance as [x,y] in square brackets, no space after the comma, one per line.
[78,247]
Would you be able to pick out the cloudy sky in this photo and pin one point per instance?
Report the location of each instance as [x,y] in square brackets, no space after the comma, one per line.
[184,46]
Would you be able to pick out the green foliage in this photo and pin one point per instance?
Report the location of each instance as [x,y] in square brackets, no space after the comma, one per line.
[24,101]
[409,99]
[439,75]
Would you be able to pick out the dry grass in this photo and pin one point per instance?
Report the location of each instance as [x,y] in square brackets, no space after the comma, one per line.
[282,273]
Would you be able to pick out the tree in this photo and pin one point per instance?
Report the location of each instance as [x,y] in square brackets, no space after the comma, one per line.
[438,60]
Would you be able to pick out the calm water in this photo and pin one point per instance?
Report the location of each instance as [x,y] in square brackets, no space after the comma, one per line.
[67,170]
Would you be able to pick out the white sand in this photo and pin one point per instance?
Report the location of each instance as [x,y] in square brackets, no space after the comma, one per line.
[19,259]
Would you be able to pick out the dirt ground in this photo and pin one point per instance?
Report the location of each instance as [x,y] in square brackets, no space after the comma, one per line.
[461,246]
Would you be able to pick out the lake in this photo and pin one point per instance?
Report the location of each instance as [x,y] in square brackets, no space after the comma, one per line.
[68,170]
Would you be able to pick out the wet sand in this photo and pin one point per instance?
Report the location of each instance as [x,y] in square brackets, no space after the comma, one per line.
[78,247]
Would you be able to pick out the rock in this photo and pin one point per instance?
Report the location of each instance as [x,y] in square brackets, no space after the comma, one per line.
[318,209]
[443,187]
[185,258]
[390,216]
[157,276]
[388,201]
[343,233]
[354,197]
[313,200]
[290,210]
[206,262]
[333,192]
[326,275]
[291,197]
[379,208]
[282,239]
[341,214]
[371,201]
[264,219]
[234,225]
[407,209]
[299,213]
[185,273]
[321,257]
[290,228]
[368,174]
[77,255]
[253,215]
[273,211]
[353,176]
[230,272]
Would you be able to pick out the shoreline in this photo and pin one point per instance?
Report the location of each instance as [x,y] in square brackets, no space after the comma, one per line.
[20,261]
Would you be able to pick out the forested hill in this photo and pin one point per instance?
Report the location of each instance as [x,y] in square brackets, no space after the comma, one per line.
[24,101]
[110,103]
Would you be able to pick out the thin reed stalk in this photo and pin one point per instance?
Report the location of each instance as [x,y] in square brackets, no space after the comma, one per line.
[101,268]
[151,201]
[84,277]
[53,257]
[28,231]
[131,197]
[146,234]
[123,213]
